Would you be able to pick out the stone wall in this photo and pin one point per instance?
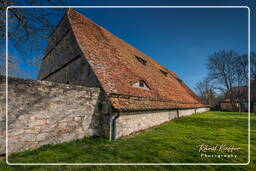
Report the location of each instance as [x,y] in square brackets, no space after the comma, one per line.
[201,110]
[186,112]
[42,112]
[130,122]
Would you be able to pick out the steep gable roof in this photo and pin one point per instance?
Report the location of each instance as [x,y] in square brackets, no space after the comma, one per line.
[118,66]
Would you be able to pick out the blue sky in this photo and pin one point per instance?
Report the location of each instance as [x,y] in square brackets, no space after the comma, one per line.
[179,39]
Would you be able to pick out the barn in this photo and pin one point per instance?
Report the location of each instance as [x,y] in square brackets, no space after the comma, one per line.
[136,92]
[240,99]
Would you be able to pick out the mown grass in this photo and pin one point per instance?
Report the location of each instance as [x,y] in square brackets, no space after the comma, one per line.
[173,142]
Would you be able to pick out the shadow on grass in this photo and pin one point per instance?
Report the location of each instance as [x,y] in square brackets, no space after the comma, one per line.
[63,147]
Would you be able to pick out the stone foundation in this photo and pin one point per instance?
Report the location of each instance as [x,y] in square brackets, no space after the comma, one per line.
[130,122]
[201,110]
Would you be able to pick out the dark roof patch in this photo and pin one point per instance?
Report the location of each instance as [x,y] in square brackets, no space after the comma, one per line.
[163,72]
[142,61]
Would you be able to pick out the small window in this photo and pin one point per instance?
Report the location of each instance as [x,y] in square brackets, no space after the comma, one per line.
[142,61]
[163,72]
[141,84]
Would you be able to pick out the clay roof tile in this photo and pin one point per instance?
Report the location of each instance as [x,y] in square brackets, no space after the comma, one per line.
[117,69]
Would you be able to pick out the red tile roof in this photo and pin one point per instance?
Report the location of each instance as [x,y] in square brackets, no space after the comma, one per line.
[117,69]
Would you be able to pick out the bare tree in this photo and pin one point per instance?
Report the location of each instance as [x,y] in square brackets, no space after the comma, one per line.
[241,70]
[12,66]
[206,92]
[229,73]
[221,70]
[253,66]
[28,28]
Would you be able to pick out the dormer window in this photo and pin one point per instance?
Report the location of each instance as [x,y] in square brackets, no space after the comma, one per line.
[163,72]
[142,61]
[141,84]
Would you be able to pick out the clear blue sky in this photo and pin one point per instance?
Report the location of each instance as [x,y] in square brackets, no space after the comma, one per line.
[179,39]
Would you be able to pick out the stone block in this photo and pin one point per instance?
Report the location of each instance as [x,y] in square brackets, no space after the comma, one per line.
[28,137]
[41,137]
[62,125]
[32,123]
[33,130]
[48,127]
[14,132]
[77,119]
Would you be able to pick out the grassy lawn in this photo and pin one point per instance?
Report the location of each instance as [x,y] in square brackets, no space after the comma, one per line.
[173,142]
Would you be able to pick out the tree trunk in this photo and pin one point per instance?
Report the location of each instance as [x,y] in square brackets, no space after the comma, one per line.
[233,105]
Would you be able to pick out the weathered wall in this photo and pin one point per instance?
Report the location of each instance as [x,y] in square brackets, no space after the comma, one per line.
[60,41]
[226,106]
[76,73]
[186,112]
[201,110]
[64,62]
[2,115]
[130,122]
[47,113]
[42,112]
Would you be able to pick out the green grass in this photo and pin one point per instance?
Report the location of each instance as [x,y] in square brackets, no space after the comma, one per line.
[173,142]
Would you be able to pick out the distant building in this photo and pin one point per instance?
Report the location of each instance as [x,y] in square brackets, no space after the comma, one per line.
[240,96]
[138,93]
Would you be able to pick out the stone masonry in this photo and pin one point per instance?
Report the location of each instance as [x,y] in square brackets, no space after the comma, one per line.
[42,112]
[131,122]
